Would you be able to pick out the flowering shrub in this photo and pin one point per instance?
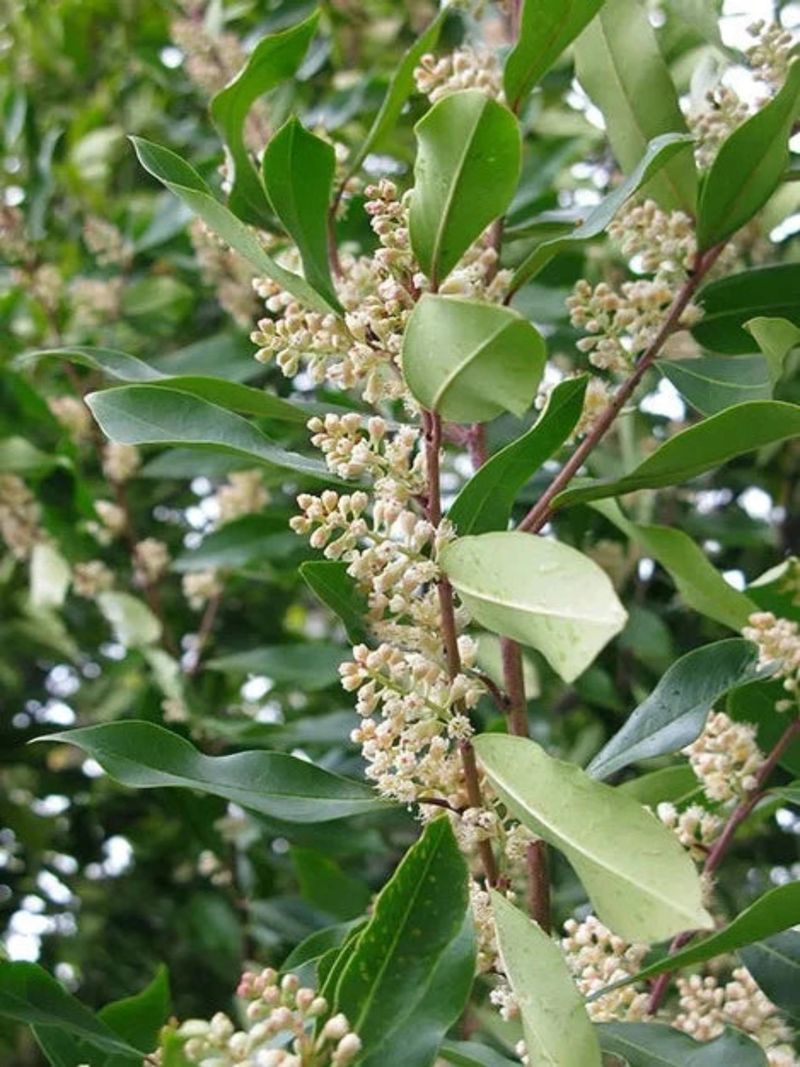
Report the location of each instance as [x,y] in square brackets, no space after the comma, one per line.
[397,474]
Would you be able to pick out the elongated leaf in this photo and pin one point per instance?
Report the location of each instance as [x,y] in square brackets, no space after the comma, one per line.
[298,175]
[658,1045]
[772,913]
[776,338]
[248,541]
[329,581]
[400,88]
[675,712]
[19,456]
[731,433]
[539,592]
[547,27]
[466,171]
[325,886]
[153,414]
[556,1027]
[638,99]
[677,784]
[226,394]
[470,361]
[729,304]
[658,153]
[486,501]
[416,919]
[748,166]
[755,704]
[139,1018]
[713,383]
[144,756]
[775,965]
[641,882]
[473,1054]
[184,181]
[309,666]
[274,59]
[29,995]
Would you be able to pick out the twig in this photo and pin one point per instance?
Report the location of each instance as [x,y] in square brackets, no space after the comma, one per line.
[538,884]
[203,634]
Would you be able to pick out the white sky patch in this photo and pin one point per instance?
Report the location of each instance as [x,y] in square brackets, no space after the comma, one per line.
[756,502]
[171,57]
[735,578]
[645,569]
[791,224]
[257,687]
[665,401]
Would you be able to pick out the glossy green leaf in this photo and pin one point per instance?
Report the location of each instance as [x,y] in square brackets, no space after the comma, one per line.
[470,361]
[658,153]
[775,965]
[676,784]
[539,592]
[713,383]
[18,456]
[308,666]
[249,541]
[486,501]
[755,703]
[547,27]
[640,880]
[325,886]
[712,442]
[227,394]
[133,623]
[729,304]
[29,995]
[144,756]
[473,1054]
[675,712]
[653,1044]
[418,921]
[638,99]
[298,176]
[330,582]
[748,167]
[184,181]
[274,59]
[139,1018]
[554,1021]
[776,338]
[152,414]
[466,171]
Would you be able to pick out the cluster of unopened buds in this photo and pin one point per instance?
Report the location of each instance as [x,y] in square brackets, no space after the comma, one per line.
[664,240]
[91,578]
[244,493]
[597,958]
[778,642]
[696,827]
[287,1027]
[106,243]
[772,51]
[726,758]
[72,414]
[150,561]
[464,68]
[201,586]
[20,516]
[120,461]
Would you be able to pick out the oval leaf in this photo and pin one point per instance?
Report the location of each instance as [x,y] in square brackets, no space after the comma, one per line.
[730,303]
[471,361]
[539,592]
[556,1027]
[776,338]
[640,880]
[465,175]
[713,383]
[144,756]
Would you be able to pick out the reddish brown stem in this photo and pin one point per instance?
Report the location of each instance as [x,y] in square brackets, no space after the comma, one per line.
[514,680]
[538,884]
[203,634]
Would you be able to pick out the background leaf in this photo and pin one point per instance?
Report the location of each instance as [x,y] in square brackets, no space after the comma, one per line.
[730,303]
[713,383]
[648,1044]
[775,965]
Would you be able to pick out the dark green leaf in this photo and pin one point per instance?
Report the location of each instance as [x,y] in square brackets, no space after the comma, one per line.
[309,666]
[730,303]
[713,383]
[676,784]
[274,59]
[775,965]
[659,1045]
[325,886]
[486,501]
[748,167]
[251,540]
[139,1018]
[329,580]
[144,756]
[755,703]
[472,1054]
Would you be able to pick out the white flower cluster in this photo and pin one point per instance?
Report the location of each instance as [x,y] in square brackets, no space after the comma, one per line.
[244,493]
[72,414]
[597,958]
[94,301]
[211,61]
[20,516]
[769,57]
[120,462]
[277,1008]
[113,522]
[665,240]
[696,827]
[106,243]
[226,271]
[464,68]
[778,642]
[150,561]
[91,578]
[201,586]
[725,757]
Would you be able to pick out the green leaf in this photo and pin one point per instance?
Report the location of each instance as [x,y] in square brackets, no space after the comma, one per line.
[330,582]
[325,886]
[227,394]
[144,756]
[250,540]
[659,1045]
[473,1054]
[713,383]
[641,885]
[471,361]
[712,442]
[29,995]
[775,965]
[554,1021]
[298,173]
[541,593]
[152,414]
[139,1018]
[620,65]
[776,338]
[547,27]
[677,784]
[749,166]
[675,712]
[308,666]
[184,181]
[658,153]
[388,985]
[466,171]
[729,304]
[133,623]
[18,456]
[486,501]
[640,880]
[772,913]
[755,703]
[400,88]
[274,59]
[50,576]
